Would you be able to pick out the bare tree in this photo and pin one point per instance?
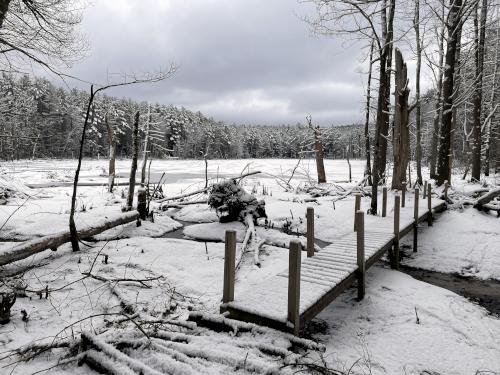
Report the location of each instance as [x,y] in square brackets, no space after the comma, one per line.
[150,78]
[368,172]
[40,31]
[373,20]
[480,31]
[133,168]
[112,153]
[146,144]
[453,25]
[418,117]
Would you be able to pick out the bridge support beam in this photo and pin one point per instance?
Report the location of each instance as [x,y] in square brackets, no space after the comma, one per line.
[429,204]
[310,231]
[357,207]
[415,217]
[395,252]
[229,266]
[360,240]
[293,315]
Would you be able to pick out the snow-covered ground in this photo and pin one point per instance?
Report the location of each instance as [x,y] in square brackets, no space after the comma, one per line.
[378,335]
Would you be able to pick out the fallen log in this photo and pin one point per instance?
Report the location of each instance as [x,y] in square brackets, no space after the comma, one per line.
[491,207]
[53,241]
[55,184]
[487,198]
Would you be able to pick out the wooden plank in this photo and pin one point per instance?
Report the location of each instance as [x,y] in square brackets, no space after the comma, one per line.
[326,299]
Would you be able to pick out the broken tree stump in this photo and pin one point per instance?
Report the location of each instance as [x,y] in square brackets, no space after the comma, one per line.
[7,299]
[142,204]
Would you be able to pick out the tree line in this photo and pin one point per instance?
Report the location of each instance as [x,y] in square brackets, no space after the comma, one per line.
[41,120]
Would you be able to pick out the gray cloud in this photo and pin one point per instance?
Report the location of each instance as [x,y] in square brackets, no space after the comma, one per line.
[243,61]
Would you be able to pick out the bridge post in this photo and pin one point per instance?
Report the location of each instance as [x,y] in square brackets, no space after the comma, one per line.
[229,264]
[310,231]
[415,217]
[360,219]
[403,194]
[384,201]
[395,253]
[429,204]
[425,190]
[446,185]
[293,315]
[357,207]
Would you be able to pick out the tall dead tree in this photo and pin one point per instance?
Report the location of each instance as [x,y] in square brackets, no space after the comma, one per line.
[401,131]
[133,168]
[438,108]
[418,117]
[112,153]
[146,145]
[491,132]
[383,103]
[368,172]
[318,150]
[453,25]
[155,78]
[480,27]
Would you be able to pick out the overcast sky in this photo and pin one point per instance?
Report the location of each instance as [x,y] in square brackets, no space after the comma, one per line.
[242,61]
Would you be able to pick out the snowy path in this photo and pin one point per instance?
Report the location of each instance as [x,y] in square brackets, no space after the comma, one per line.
[322,277]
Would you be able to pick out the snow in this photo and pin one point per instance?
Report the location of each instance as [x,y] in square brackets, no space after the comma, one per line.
[473,249]
[454,335]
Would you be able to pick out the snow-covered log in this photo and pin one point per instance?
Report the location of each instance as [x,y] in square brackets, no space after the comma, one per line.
[487,198]
[53,241]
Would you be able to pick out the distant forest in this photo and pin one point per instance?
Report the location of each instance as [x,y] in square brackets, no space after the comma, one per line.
[41,120]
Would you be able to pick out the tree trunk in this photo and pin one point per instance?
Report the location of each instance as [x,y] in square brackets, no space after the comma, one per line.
[418,119]
[145,152]
[72,225]
[4,8]
[318,150]
[478,92]
[112,154]
[444,154]
[368,172]
[133,169]
[382,123]
[401,132]
[438,109]
[490,130]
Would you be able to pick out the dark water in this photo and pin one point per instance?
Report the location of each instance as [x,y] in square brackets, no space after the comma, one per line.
[484,292]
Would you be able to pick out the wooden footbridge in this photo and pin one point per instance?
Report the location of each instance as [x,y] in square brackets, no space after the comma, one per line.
[291,298]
